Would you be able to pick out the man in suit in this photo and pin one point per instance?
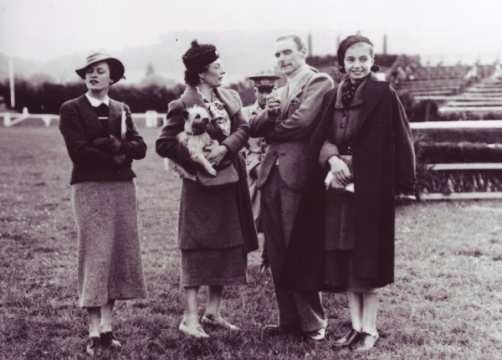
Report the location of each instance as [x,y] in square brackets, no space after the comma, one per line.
[287,123]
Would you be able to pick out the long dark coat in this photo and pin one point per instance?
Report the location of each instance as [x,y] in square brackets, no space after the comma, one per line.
[383,166]
[168,146]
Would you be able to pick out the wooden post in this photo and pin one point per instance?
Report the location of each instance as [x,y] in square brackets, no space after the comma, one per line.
[11,83]
[309,45]
[427,110]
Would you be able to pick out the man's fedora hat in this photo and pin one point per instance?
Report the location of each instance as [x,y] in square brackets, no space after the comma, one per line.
[116,67]
[265,79]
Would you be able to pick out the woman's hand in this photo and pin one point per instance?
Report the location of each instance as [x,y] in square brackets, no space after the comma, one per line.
[109,144]
[115,144]
[119,159]
[339,175]
[216,154]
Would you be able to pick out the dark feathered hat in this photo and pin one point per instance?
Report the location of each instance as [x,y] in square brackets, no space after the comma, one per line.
[199,56]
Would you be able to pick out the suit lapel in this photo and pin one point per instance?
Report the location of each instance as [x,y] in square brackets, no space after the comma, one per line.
[87,112]
[294,93]
[282,94]
[230,105]
[191,97]
[115,117]
[372,93]
[327,111]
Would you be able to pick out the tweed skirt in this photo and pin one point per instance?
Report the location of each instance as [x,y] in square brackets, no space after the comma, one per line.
[109,258]
[213,266]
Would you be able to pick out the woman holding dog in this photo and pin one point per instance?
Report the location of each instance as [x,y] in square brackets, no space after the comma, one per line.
[363,144]
[216,229]
[102,142]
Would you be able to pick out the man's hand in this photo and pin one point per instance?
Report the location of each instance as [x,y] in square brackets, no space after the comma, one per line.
[273,106]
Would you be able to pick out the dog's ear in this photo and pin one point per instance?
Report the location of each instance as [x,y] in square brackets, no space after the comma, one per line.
[185,114]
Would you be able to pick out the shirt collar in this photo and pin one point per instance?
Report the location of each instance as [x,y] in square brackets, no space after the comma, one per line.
[96,102]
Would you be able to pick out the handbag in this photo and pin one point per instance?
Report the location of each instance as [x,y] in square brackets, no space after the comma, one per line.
[224,176]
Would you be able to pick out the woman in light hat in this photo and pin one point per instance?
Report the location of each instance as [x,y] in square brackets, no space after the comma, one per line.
[216,229]
[102,142]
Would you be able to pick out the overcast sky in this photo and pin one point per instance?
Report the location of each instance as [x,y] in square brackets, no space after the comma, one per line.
[42,29]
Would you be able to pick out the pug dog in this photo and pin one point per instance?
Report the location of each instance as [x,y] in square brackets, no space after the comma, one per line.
[195,136]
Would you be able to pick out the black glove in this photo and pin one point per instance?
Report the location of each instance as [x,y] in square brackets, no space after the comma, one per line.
[108,144]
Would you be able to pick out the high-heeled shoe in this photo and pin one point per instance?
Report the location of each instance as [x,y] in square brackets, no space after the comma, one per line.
[348,339]
[366,342]
[108,339]
[194,330]
[218,321]
[93,346]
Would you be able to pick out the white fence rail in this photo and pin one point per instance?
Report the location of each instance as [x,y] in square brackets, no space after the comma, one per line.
[153,119]
[148,119]
[468,124]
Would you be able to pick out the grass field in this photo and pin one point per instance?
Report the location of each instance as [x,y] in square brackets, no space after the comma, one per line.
[446,302]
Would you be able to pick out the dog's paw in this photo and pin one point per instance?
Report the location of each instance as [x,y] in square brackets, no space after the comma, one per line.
[211,171]
[182,138]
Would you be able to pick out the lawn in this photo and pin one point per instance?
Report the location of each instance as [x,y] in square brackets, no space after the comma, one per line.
[446,302]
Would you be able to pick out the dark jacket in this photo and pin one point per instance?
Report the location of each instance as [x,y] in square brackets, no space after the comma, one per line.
[168,146]
[80,126]
[383,166]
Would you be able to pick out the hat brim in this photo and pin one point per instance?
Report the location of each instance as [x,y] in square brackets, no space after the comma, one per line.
[117,69]
[264,77]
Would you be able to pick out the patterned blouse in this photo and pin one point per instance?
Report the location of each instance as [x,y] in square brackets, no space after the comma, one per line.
[219,114]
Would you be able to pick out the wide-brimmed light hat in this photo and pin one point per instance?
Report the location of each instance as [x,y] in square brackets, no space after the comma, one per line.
[117,69]
[264,79]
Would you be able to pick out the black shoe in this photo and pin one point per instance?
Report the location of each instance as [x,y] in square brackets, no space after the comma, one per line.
[279,330]
[109,340]
[366,342]
[93,346]
[351,337]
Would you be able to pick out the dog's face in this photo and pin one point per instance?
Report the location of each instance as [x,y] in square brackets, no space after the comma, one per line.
[196,120]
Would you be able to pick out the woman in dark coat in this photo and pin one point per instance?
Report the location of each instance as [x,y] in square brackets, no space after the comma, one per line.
[216,228]
[364,142]
[102,142]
